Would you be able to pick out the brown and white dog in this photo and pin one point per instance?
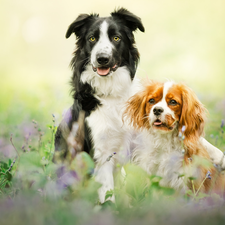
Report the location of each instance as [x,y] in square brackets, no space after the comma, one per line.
[164,113]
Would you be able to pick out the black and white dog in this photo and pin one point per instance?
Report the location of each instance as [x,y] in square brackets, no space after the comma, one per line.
[104,66]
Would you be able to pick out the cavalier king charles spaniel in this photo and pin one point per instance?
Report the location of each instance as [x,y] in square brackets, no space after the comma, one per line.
[170,144]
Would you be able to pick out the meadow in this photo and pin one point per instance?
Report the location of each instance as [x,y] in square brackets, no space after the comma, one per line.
[184,41]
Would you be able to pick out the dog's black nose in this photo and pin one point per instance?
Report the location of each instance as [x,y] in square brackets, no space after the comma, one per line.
[158,110]
[102,59]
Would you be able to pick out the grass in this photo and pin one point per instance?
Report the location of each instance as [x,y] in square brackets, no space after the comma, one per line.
[33,190]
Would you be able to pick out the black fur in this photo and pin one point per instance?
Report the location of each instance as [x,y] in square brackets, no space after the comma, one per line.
[121,21]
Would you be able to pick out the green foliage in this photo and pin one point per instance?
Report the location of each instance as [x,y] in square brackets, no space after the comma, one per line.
[68,193]
[5,174]
[48,193]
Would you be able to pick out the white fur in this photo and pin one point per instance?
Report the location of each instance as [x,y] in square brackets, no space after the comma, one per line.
[161,154]
[109,135]
[215,154]
[108,132]
[117,84]
[103,45]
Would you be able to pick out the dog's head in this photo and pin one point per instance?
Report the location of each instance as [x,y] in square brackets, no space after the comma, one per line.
[106,43]
[165,107]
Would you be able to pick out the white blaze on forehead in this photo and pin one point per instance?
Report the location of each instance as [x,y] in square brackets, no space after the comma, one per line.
[103,45]
[163,103]
[166,88]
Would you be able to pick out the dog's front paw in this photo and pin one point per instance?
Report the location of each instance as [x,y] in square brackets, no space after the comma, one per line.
[105,195]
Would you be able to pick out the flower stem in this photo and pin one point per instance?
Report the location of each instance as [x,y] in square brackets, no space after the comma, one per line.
[200,186]
[193,187]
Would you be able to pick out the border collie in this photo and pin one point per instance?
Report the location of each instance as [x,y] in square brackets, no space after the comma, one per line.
[104,66]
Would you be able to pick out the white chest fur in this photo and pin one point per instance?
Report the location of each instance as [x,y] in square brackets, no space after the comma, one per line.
[108,136]
[107,130]
[161,155]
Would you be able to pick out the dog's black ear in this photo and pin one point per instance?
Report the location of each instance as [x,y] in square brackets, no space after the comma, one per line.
[78,24]
[131,21]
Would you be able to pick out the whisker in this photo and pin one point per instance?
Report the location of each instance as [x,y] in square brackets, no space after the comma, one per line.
[145,123]
[145,117]
[87,63]
[85,59]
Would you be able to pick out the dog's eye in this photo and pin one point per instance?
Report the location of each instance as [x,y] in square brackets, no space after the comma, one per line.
[172,102]
[92,39]
[116,38]
[152,101]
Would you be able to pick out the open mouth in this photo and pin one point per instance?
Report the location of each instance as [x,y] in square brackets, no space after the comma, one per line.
[159,124]
[104,71]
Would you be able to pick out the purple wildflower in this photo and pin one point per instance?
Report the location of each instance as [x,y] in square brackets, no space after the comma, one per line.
[222,123]
[208,175]
[183,129]
[108,159]
[180,135]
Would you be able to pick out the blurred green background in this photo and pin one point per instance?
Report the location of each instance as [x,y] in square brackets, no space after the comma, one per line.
[184,41]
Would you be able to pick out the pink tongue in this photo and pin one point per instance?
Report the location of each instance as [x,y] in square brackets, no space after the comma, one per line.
[103,71]
[157,123]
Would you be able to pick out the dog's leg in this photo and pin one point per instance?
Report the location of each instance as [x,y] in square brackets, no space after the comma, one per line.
[62,133]
[104,175]
[215,154]
[61,147]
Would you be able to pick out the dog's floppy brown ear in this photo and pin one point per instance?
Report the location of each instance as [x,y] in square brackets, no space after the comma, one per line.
[130,20]
[193,114]
[135,112]
[78,24]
